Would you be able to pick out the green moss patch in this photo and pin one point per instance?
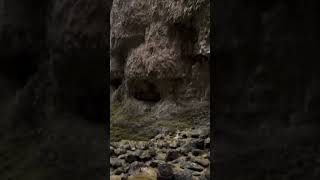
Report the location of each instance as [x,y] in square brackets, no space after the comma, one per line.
[130,128]
[142,128]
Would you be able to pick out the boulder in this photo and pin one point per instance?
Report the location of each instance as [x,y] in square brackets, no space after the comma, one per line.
[183,175]
[193,166]
[135,166]
[115,162]
[156,163]
[119,171]
[165,172]
[172,155]
[146,155]
[201,161]
[197,143]
[161,156]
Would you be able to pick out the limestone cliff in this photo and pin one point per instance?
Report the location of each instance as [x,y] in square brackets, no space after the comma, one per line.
[159,65]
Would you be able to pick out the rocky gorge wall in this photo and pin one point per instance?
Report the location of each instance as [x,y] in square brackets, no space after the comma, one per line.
[159,66]
[266,89]
[53,80]
[159,82]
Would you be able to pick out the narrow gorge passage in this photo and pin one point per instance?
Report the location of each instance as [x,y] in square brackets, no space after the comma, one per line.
[159,70]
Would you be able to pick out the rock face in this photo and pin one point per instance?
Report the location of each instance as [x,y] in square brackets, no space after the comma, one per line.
[77,33]
[166,155]
[160,61]
[53,75]
[267,89]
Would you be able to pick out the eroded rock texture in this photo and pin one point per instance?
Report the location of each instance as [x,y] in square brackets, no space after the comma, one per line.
[171,155]
[160,62]
[266,90]
[53,78]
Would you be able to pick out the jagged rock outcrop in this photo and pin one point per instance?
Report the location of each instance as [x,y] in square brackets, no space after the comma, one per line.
[159,63]
[266,89]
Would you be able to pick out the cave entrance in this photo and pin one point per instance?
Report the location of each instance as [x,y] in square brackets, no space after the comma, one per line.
[145,91]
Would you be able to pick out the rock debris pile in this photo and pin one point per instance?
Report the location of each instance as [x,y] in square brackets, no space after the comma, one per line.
[180,155]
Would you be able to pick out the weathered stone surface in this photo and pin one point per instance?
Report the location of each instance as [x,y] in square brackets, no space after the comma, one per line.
[174,144]
[159,71]
[145,173]
[160,63]
[161,156]
[118,171]
[172,155]
[156,163]
[142,145]
[202,162]
[183,175]
[183,164]
[119,151]
[135,166]
[146,155]
[115,162]
[186,148]
[165,172]
[205,175]
[197,143]
[193,166]
[195,133]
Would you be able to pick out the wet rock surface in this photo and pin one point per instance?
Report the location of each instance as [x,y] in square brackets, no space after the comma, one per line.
[174,162]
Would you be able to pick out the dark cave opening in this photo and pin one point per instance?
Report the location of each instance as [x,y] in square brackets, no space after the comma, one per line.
[146,91]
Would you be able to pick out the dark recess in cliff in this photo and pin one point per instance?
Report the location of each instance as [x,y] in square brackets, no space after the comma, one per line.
[159,66]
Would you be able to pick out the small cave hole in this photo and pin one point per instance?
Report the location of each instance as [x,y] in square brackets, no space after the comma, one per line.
[147,92]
